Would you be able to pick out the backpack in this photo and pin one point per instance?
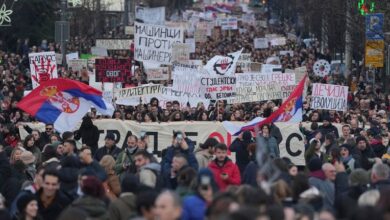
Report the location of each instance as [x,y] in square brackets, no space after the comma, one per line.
[159,180]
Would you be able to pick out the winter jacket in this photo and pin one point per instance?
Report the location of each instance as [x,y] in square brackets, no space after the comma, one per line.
[203,158]
[60,202]
[94,207]
[97,169]
[123,208]
[242,155]
[88,133]
[194,208]
[5,168]
[275,132]
[378,147]
[13,185]
[364,156]
[170,153]
[230,169]
[327,188]
[126,156]
[101,152]
[250,174]
[270,145]
[329,129]
[148,174]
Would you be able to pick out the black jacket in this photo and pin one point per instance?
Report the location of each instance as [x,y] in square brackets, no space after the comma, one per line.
[242,155]
[60,202]
[5,168]
[113,151]
[88,133]
[329,129]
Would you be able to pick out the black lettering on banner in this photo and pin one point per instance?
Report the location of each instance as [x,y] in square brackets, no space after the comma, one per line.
[288,146]
[129,133]
[192,134]
[155,142]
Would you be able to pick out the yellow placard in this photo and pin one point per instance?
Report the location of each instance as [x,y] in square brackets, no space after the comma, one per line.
[374,56]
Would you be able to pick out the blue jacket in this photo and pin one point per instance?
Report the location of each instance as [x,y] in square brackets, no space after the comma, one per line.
[270,145]
[194,208]
[170,153]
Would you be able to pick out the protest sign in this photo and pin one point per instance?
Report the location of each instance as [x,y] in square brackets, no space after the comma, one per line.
[300,72]
[180,52]
[262,23]
[228,23]
[86,56]
[260,43]
[114,44]
[112,70]
[149,89]
[271,68]
[248,19]
[129,30]
[77,65]
[203,29]
[59,58]
[285,52]
[99,51]
[218,87]
[160,134]
[72,56]
[223,65]
[187,79]
[150,15]
[160,73]
[329,97]
[191,43]
[255,79]
[43,67]
[244,61]
[279,41]
[155,43]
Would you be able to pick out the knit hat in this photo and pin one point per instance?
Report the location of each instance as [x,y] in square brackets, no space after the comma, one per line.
[359,177]
[24,200]
[247,136]
[315,164]
[27,157]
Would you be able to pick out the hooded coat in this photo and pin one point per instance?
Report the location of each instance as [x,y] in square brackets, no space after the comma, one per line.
[88,133]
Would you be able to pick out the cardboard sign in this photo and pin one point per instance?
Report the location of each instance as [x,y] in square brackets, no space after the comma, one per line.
[228,23]
[160,73]
[78,65]
[187,79]
[260,43]
[329,97]
[72,56]
[99,51]
[181,52]
[191,43]
[154,43]
[112,70]
[114,44]
[279,41]
[43,67]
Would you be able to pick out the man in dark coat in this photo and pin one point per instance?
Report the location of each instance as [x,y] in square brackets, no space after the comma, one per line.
[88,133]
[365,154]
[51,201]
[109,148]
[328,128]
[239,146]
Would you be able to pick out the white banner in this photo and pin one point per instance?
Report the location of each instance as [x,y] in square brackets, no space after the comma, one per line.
[78,64]
[187,79]
[271,68]
[285,52]
[72,56]
[43,67]
[160,73]
[150,15]
[260,43]
[228,23]
[330,97]
[154,43]
[191,43]
[279,41]
[114,44]
[160,134]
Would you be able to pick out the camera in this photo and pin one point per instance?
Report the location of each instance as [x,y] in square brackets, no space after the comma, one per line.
[179,137]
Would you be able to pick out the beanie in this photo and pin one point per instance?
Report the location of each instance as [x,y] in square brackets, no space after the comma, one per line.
[24,200]
[360,138]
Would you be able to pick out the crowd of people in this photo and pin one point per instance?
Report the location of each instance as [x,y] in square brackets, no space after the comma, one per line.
[46,176]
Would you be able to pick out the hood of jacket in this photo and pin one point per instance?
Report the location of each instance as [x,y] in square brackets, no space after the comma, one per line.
[152,166]
[93,206]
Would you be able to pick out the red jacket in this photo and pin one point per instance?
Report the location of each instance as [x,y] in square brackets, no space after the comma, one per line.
[230,169]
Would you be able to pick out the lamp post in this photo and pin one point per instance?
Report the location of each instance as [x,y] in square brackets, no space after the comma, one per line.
[63,41]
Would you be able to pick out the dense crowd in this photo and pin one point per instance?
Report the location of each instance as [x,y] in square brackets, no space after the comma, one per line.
[46,176]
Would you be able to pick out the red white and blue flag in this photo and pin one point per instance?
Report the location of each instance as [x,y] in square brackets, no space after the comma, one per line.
[63,103]
[289,111]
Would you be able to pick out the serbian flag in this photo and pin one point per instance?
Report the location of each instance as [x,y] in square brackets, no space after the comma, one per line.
[63,103]
[289,111]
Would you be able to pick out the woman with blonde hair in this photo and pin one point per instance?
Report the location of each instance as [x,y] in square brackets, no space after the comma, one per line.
[112,184]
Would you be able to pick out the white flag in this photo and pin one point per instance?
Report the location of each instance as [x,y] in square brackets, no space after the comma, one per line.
[223,65]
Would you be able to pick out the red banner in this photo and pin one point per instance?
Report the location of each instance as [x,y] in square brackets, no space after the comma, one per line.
[112,70]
